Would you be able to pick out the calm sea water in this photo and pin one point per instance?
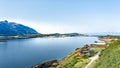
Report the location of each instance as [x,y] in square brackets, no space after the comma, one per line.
[24,53]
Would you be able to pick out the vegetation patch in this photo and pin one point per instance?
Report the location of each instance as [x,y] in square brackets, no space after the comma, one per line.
[74,61]
[109,57]
[77,61]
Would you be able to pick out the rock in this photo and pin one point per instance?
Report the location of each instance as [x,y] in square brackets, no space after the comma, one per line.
[77,49]
[48,64]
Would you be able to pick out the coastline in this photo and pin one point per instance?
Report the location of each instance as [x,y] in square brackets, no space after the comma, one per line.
[63,62]
[55,35]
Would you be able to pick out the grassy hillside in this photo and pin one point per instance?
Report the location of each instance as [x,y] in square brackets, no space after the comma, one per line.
[110,57]
[74,61]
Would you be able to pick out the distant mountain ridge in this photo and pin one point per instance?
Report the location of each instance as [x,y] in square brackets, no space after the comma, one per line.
[14,29]
[104,33]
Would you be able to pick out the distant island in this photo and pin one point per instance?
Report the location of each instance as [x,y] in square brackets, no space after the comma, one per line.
[55,35]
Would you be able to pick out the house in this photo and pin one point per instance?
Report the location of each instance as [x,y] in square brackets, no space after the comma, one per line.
[86,51]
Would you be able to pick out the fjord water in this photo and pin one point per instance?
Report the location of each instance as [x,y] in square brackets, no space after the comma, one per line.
[24,53]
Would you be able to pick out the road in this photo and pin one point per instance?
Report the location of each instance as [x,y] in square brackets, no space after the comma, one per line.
[92,59]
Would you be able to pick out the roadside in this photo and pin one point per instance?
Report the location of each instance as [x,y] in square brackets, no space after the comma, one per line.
[93,59]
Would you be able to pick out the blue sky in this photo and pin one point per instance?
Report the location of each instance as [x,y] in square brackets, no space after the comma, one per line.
[63,16]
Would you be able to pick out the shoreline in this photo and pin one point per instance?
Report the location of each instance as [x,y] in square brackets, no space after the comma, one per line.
[75,52]
[55,35]
[22,37]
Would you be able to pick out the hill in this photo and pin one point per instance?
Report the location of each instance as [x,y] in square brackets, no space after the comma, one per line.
[110,57]
[14,29]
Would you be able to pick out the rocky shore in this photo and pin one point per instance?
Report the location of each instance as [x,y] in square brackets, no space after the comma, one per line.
[48,64]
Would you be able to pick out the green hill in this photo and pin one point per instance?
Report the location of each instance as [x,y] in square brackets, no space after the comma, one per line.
[110,57]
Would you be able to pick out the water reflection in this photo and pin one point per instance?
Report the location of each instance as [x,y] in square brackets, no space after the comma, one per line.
[24,53]
[3,45]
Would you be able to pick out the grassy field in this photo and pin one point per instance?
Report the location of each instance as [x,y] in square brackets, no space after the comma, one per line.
[74,61]
[110,57]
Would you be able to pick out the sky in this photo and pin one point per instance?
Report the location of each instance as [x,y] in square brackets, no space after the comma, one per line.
[63,16]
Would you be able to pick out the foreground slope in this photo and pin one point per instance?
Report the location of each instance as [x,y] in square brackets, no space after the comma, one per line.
[110,57]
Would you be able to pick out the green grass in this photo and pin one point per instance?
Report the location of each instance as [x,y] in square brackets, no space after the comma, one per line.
[110,57]
[74,61]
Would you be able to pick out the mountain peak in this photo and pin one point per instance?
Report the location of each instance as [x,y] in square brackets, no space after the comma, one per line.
[5,21]
[14,29]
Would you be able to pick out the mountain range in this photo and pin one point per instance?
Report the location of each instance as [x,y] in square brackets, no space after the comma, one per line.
[14,29]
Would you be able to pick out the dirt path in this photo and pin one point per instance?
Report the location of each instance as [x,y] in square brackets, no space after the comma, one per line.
[92,59]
